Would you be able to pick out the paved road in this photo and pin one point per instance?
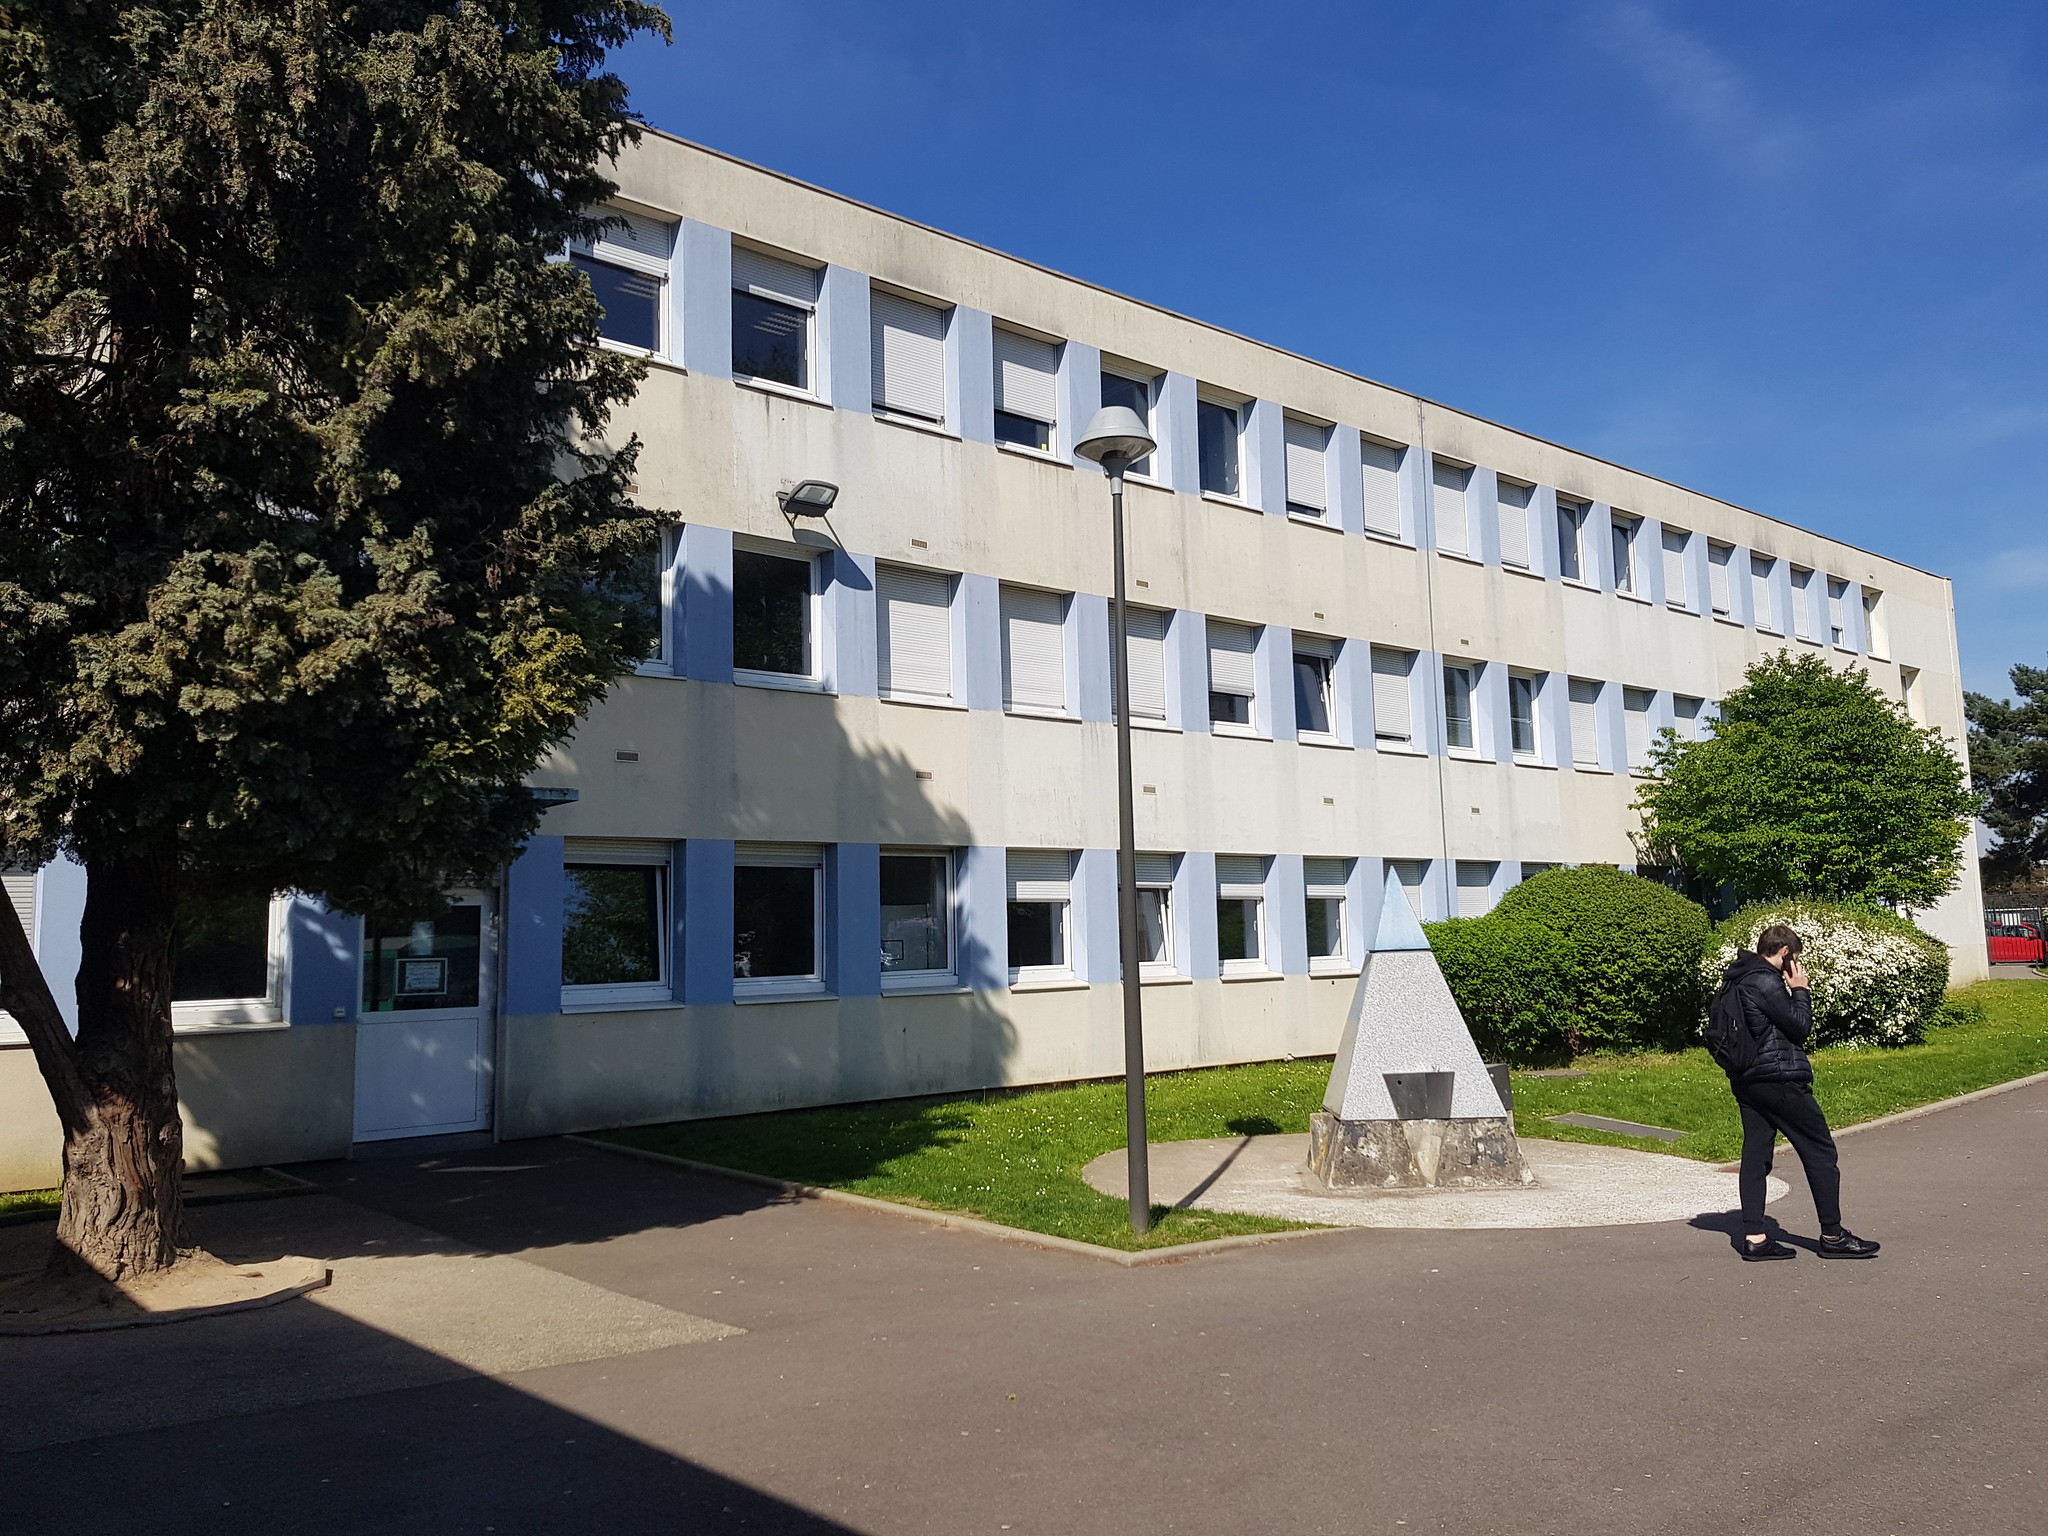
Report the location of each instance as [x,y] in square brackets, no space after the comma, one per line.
[896,1378]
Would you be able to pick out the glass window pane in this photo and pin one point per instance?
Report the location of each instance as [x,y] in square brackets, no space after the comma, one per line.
[775,921]
[430,962]
[631,302]
[1154,909]
[770,341]
[1325,926]
[1135,397]
[771,613]
[1624,558]
[1237,928]
[1312,694]
[914,912]
[1022,430]
[1216,429]
[1037,933]
[1568,543]
[1230,708]
[1522,713]
[223,949]
[611,924]
[1458,705]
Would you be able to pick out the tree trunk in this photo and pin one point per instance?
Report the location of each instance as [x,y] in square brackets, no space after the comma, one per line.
[123,1213]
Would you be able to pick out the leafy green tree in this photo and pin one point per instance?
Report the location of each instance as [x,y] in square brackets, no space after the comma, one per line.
[1811,784]
[310,546]
[2009,766]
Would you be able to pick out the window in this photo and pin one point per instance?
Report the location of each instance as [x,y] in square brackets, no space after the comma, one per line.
[20,883]
[1155,912]
[1459,732]
[1041,894]
[1233,671]
[1685,716]
[913,633]
[1475,886]
[435,961]
[1877,640]
[907,344]
[1909,695]
[1453,530]
[773,300]
[1677,574]
[1034,651]
[1764,601]
[1027,389]
[1571,524]
[1412,873]
[1382,485]
[650,590]
[1134,395]
[1145,648]
[777,924]
[1240,913]
[615,922]
[1307,483]
[1802,602]
[1315,697]
[1838,634]
[1719,557]
[1524,689]
[223,949]
[1218,428]
[1531,869]
[917,918]
[1635,719]
[772,617]
[1584,696]
[1513,504]
[627,267]
[1325,882]
[1392,688]
[1622,530]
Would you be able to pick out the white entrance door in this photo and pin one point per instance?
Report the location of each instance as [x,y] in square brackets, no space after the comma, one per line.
[423,1046]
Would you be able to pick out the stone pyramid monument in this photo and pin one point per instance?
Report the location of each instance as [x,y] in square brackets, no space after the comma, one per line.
[1411,1105]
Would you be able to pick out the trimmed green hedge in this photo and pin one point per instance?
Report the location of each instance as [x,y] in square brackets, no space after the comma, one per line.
[1877,979]
[1512,982]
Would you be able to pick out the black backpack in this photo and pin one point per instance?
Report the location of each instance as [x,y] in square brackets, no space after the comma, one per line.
[1728,1036]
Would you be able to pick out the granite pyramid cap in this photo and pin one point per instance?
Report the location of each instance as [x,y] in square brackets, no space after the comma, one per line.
[1398,926]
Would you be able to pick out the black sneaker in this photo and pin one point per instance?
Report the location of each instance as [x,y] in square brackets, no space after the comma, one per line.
[1846,1245]
[1769,1248]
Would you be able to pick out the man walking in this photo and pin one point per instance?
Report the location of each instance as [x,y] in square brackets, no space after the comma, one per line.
[1774,1090]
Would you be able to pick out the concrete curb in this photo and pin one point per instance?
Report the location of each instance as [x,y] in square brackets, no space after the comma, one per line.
[181,1315]
[1919,1110]
[1115,1256]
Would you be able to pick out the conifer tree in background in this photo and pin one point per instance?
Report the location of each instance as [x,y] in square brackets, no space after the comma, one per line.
[309,544]
[2009,766]
[1811,784]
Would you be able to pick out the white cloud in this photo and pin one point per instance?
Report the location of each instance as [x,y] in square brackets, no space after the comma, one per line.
[1702,89]
[2024,568]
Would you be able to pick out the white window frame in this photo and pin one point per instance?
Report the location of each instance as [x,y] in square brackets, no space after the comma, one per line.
[1161,720]
[606,251]
[947,977]
[1473,671]
[1065,711]
[1639,767]
[1317,644]
[1877,629]
[1383,739]
[1682,597]
[814,626]
[1306,428]
[1716,605]
[1462,473]
[809,856]
[1240,414]
[1343,962]
[1911,695]
[877,385]
[814,390]
[1250,725]
[1837,625]
[1146,469]
[208,1013]
[1686,726]
[1051,421]
[1163,969]
[584,998]
[1416,891]
[1369,446]
[1803,627]
[1260,932]
[1574,514]
[1509,514]
[1534,753]
[1591,763]
[1040,975]
[1459,887]
[885,685]
[660,663]
[1763,573]
[1624,534]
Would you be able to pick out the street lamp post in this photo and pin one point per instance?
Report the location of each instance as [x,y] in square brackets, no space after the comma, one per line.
[1116,439]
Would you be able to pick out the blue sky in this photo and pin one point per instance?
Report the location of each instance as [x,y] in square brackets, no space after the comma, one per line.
[1788,255]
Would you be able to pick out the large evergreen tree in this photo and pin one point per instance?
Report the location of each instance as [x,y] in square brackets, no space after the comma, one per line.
[309,543]
[2009,765]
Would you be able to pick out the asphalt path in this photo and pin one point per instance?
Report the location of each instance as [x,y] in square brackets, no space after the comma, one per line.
[895,1377]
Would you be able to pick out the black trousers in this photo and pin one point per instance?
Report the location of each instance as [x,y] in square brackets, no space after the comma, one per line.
[1767,1109]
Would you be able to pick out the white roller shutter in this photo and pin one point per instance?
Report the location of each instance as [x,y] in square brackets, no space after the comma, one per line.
[774,276]
[1411,873]
[1585,721]
[1677,589]
[1326,877]
[1041,874]
[1392,712]
[1876,633]
[908,347]
[1382,486]
[780,855]
[1157,868]
[1475,887]
[1145,629]
[1306,483]
[1802,602]
[1034,649]
[1685,714]
[634,234]
[914,635]
[1838,633]
[1514,524]
[1718,557]
[1232,649]
[1316,645]
[1027,376]
[21,890]
[1635,715]
[1760,591]
[1240,877]
[1453,527]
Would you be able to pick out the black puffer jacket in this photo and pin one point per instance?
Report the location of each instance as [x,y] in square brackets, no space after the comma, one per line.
[1779,1018]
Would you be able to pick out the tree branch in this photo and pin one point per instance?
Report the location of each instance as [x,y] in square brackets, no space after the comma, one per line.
[25,993]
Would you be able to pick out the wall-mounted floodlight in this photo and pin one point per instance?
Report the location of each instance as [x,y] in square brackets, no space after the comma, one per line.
[809,498]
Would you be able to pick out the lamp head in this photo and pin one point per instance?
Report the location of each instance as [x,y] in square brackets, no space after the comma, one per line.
[808,498]
[1115,439]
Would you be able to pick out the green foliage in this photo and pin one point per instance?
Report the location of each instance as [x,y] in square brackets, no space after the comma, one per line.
[310,546]
[1958,1012]
[1512,981]
[1877,979]
[2009,767]
[1812,784]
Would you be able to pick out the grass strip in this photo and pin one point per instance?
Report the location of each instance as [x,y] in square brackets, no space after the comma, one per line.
[30,1200]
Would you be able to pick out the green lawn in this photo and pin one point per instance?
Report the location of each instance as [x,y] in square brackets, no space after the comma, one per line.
[1017,1158]
[28,1200]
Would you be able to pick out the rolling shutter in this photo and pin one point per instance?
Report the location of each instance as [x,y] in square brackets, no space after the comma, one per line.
[914,637]
[1685,714]
[1411,873]
[908,345]
[1718,556]
[1156,868]
[1585,722]
[1837,630]
[634,234]
[1876,633]
[773,276]
[1240,877]
[1316,645]
[1453,530]
[1475,887]
[1760,591]
[1382,486]
[1305,464]
[1145,632]
[1326,877]
[1677,590]
[1232,648]
[1034,649]
[1514,524]
[1041,874]
[1392,714]
[1802,602]
[1027,376]
[21,890]
[1635,716]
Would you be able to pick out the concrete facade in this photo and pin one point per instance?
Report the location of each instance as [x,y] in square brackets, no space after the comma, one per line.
[698,763]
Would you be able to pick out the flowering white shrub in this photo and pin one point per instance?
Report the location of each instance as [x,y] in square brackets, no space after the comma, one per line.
[1876,978]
